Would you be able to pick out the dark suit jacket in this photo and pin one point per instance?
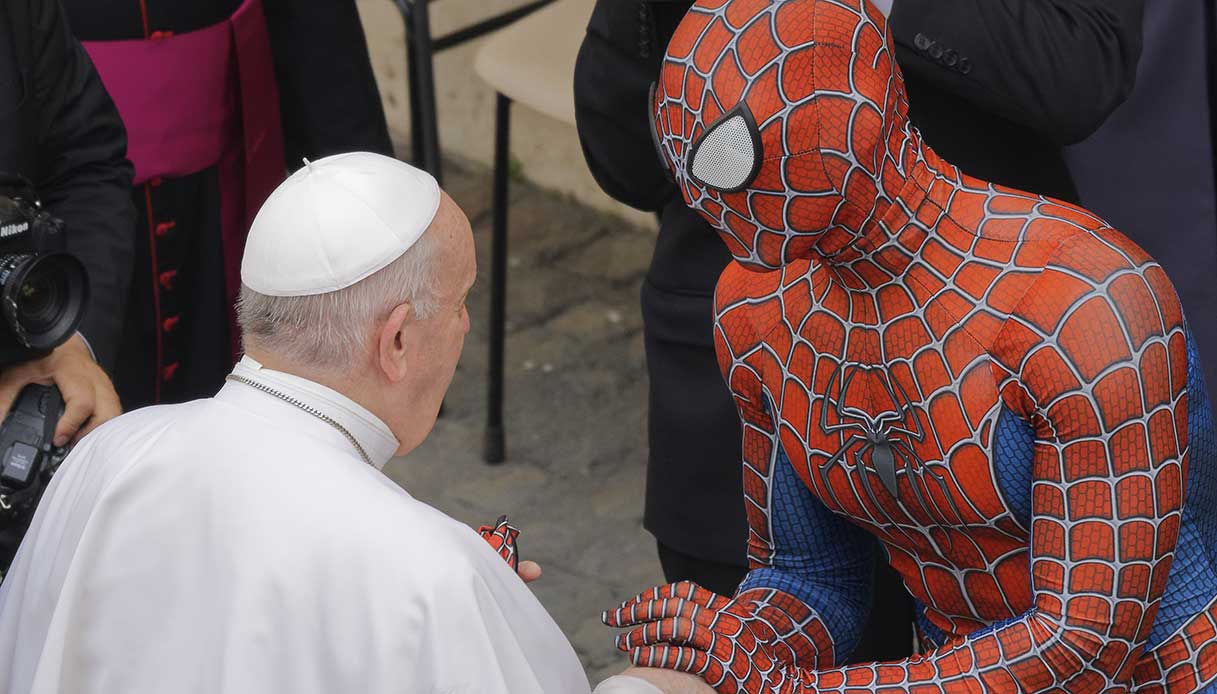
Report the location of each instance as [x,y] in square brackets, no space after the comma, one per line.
[999,87]
[59,128]
[996,86]
[1149,171]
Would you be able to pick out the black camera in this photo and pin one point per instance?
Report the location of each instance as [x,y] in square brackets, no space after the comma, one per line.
[43,289]
[27,462]
[43,293]
[27,456]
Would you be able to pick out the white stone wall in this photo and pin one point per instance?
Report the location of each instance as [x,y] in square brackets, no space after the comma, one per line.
[546,150]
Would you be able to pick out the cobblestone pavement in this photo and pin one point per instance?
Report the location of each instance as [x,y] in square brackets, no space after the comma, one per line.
[575,410]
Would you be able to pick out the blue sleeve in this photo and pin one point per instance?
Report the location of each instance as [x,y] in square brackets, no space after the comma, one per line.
[818,557]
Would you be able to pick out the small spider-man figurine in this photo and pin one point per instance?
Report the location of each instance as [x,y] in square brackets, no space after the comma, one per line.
[504,539]
[997,389]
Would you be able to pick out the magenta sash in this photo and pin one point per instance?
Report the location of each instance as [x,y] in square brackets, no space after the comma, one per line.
[201,99]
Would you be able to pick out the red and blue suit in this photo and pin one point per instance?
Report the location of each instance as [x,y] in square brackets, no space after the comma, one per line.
[996,389]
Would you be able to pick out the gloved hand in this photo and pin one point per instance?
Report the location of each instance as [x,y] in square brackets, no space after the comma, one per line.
[755,642]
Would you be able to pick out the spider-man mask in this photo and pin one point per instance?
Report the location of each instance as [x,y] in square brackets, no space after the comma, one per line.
[775,118]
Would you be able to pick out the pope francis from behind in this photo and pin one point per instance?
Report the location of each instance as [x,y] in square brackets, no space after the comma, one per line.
[249,543]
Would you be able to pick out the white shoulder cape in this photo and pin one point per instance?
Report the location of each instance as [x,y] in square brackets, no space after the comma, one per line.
[238,546]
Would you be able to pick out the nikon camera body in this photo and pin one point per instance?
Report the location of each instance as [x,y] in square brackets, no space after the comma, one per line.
[43,289]
[43,293]
[28,462]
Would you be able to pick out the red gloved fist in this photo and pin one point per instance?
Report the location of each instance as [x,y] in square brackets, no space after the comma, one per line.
[750,643]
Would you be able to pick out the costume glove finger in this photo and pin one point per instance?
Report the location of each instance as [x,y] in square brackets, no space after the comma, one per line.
[631,612]
[688,660]
[693,662]
[692,630]
[679,610]
[644,612]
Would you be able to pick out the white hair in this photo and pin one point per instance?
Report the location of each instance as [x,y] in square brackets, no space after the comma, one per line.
[330,331]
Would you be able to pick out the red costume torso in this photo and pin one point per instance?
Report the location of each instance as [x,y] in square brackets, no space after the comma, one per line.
[993,384]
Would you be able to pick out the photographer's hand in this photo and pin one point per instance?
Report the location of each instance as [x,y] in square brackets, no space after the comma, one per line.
[89,397]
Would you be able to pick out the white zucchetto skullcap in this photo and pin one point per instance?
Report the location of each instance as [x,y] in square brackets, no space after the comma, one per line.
[335,222]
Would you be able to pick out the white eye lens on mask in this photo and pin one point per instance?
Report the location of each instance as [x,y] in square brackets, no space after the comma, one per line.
[727,157]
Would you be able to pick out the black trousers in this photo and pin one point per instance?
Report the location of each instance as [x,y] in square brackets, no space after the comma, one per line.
[11,533]
[889,628]
[721,578]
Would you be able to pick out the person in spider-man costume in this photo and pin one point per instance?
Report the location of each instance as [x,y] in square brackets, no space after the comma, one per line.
[997,389]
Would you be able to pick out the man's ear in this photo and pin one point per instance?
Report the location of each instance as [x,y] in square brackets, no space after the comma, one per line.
[391,346]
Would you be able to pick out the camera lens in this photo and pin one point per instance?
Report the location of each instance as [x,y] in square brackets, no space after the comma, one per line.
[42,297]
[40,300]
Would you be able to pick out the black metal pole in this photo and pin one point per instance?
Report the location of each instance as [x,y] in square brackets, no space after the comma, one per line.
[495,445]
[424,73]
[417,121]
[416,112]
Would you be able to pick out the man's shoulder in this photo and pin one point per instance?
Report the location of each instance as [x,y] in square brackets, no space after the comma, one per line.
[139,424]
[358,506]
[163,438]
[421,548]
[384,516]
[308,502]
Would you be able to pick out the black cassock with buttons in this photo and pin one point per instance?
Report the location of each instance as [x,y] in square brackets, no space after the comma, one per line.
[178,339]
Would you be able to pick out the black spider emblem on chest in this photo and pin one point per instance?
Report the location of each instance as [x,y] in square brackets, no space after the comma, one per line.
[874,416]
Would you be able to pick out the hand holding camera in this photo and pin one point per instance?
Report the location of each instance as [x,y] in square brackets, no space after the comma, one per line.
[89,397]
[43,294]
[52,392]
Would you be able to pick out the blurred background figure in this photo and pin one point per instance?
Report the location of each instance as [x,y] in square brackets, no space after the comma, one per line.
[61,136]
[1149,170]
[220,99]
[996,87]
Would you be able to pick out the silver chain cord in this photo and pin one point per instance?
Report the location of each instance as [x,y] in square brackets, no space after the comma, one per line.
[307,408]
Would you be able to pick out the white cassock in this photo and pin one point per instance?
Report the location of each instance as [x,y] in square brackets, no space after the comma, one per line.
[240,545]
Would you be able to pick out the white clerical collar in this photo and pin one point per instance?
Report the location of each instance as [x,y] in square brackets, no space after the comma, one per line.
[372,434]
